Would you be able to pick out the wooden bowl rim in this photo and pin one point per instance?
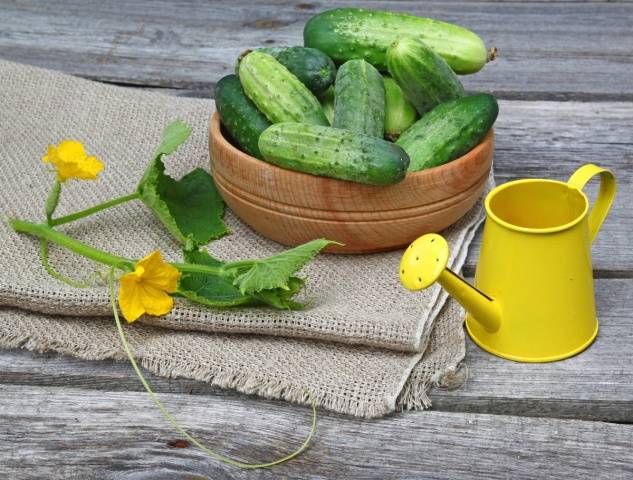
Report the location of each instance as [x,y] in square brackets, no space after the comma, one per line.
[216,134]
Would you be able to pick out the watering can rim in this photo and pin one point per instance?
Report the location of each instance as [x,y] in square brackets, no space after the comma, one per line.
[517,228]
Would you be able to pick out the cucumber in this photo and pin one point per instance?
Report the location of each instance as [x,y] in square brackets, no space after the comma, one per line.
[359,99]
[327,103]
[241,118]
[346,33]
[313,67]
[333,152]
[424,76]
[399,112]
[276,92]
[448,131]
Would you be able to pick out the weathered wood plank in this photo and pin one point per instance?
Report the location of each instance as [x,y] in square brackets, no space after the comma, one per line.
[596,385]
[62,433]
[553,50]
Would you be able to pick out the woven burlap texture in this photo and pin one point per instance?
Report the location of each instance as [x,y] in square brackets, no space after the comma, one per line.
[353,299]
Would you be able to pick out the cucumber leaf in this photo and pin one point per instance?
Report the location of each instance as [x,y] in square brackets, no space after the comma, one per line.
[275,272]
[210,290]
[218,291]
[190,208]
[280,297]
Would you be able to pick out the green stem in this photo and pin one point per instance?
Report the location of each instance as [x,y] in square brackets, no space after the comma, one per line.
[97,208]
[195,268]
[52,201]
[48,233]
[170,418]
[45,232]
[55,274]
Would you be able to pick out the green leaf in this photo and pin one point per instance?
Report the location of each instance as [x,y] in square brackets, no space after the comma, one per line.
[252,276]
[195,204]
[217,291]
[190,208]
[280,297]
[210,290]
[174,135]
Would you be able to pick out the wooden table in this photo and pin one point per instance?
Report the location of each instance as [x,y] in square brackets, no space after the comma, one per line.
[564,78]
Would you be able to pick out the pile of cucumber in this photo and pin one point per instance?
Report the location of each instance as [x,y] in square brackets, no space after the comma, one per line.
[394,105]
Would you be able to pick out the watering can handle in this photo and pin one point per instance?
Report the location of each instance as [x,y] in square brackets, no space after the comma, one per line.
[605,196]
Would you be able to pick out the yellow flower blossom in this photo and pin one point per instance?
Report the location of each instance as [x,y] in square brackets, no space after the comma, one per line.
[71,161]
[146,289]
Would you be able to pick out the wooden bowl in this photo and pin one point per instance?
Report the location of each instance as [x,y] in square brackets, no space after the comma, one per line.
[293,207]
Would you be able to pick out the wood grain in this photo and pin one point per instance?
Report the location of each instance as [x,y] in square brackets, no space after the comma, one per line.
[49,432]
[596,385]
[547,50]
[293,207]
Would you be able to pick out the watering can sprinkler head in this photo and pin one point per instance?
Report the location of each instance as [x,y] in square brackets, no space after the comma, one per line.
[424,263]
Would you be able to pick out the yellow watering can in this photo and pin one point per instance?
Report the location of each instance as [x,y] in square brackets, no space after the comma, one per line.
[533,298]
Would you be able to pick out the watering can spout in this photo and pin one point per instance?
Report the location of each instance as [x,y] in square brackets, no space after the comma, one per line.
[424,263]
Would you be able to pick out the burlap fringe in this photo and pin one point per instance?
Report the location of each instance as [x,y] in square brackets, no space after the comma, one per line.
[413,397]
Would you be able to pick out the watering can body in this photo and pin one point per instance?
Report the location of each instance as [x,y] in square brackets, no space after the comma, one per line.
[544,284]
[533,298]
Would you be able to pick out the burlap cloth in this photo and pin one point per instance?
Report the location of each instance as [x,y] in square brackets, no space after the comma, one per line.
[365,346]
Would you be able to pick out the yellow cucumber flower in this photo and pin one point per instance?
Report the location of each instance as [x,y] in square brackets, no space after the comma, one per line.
[146,289]
[71,161]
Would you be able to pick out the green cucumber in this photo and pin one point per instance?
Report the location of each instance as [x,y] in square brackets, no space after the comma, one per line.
[346,33]
[400,114]
[424,76]
[241,118]
[333,152]
[448,131]
[327,103]
[276,92]
[359,99]
[313,67]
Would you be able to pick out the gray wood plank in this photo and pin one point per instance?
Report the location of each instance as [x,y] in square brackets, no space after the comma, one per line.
[65,433]
[554,50]
[596,385]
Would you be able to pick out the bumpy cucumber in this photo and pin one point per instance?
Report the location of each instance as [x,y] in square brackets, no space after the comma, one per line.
[359,100]
[346,33]
[424,76]
[327,103]
[313,67]
[448,131]
[400,114]
[276,92]
[239,115]
[333,152]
